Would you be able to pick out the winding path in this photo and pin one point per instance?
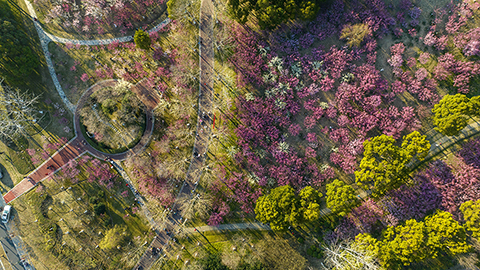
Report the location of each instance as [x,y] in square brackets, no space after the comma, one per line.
[77,146]
[46,38]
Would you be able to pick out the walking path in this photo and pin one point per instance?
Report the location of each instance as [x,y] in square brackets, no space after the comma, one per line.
[229,227]
[45,38]
[203,132]
[77,146]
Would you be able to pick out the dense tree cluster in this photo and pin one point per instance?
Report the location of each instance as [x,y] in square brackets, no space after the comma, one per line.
[383,166]
[437,235]
[283,208]
[452,111]
[273,13]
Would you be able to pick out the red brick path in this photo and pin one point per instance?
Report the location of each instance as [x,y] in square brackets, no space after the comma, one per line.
[70,151]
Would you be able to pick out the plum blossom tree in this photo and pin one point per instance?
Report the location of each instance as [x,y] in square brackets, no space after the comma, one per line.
[17,112]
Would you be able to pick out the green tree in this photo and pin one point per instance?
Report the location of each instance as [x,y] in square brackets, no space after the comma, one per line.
[340,197]
[354,34]
[416,145]
[415,241]
[404,244]
[445,235]
[450,114]
[471,215]
[279,208]
[310,202]
[212,262]
[282,207]
[383,165]
[114,237]
[142,39]
[272,13]
[99,208]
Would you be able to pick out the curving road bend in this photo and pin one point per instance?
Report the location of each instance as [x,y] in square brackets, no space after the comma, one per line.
[77,146]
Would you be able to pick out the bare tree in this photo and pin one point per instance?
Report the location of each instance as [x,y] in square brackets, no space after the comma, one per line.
[348,255]
[17,112]
[198,206]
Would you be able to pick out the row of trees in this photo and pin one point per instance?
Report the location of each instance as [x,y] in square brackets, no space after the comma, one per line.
[437,235]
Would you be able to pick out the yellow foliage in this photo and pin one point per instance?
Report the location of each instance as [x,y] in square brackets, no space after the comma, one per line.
[354,34]
[114,237]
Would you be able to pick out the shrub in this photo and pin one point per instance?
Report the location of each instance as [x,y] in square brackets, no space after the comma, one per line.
[354,34]
[142,39]
[99,208]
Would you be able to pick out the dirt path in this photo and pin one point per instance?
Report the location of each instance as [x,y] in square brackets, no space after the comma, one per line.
[229,227]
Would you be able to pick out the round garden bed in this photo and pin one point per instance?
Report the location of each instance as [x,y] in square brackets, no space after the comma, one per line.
[113,118]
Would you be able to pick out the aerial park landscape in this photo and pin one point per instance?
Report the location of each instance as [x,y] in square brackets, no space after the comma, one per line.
[228,134]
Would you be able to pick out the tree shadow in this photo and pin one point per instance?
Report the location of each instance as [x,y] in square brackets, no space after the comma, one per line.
[6,179]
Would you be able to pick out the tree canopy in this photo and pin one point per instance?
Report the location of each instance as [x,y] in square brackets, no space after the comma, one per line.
[340,197]
[282,207]
[17,60]
[142,39]
[452,112]
[272,13]
[17,112]
[414,241]
[471,215]
[354,34]
[383,165]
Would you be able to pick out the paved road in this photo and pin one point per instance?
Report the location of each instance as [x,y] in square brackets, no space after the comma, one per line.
[229,227]
[7,243]
[9,248]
